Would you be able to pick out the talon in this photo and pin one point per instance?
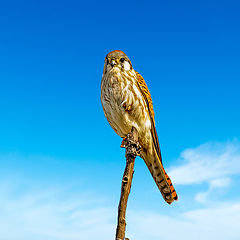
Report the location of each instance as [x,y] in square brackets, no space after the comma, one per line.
[128,108]
[123,142]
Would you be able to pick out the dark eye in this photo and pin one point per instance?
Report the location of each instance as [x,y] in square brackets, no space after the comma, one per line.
[122,60]
[107,62]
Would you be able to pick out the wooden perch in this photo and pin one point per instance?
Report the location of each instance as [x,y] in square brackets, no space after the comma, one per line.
[132,151]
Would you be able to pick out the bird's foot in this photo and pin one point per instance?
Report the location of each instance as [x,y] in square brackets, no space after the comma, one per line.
[124,141]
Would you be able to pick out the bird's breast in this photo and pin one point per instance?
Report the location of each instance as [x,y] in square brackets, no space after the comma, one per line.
[123,103]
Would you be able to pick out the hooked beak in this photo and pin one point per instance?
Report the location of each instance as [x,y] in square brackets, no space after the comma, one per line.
[113,63]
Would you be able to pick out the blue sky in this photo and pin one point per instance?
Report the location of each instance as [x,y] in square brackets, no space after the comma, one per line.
[60,162]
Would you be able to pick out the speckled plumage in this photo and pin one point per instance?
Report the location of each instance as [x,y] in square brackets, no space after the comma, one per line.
[127,103]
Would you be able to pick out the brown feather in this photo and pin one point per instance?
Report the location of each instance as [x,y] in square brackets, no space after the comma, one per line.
[157,163]
[147,96]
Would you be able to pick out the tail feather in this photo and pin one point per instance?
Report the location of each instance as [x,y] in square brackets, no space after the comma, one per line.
[160,177]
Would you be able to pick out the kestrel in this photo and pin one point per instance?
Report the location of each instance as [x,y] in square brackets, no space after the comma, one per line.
[127,103]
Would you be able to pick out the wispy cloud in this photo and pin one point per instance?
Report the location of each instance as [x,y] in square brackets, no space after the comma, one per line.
[212,163]
[203,197]
[51,215]
[52,212]
[208,163]
[216,223]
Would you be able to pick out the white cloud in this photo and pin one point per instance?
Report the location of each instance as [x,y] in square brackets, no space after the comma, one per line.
[52,214]
[207,163]
[29,212]
[212,163]
[203,197]
[220,223]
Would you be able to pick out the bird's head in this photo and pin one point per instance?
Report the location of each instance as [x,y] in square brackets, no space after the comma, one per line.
[117,59]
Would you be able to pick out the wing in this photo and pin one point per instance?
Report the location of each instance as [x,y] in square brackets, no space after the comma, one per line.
[165,178]
[147,96]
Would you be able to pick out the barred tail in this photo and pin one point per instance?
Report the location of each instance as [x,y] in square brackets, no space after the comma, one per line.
[160,177]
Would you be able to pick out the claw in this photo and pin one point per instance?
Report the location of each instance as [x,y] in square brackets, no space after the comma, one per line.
[129,108]
[123,142]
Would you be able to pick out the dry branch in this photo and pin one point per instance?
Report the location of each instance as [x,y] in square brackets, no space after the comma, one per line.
[132,151]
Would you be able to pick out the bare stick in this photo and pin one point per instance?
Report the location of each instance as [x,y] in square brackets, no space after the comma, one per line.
[132,150]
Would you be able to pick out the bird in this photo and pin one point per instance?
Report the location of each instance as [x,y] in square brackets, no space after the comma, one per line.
[127,103]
